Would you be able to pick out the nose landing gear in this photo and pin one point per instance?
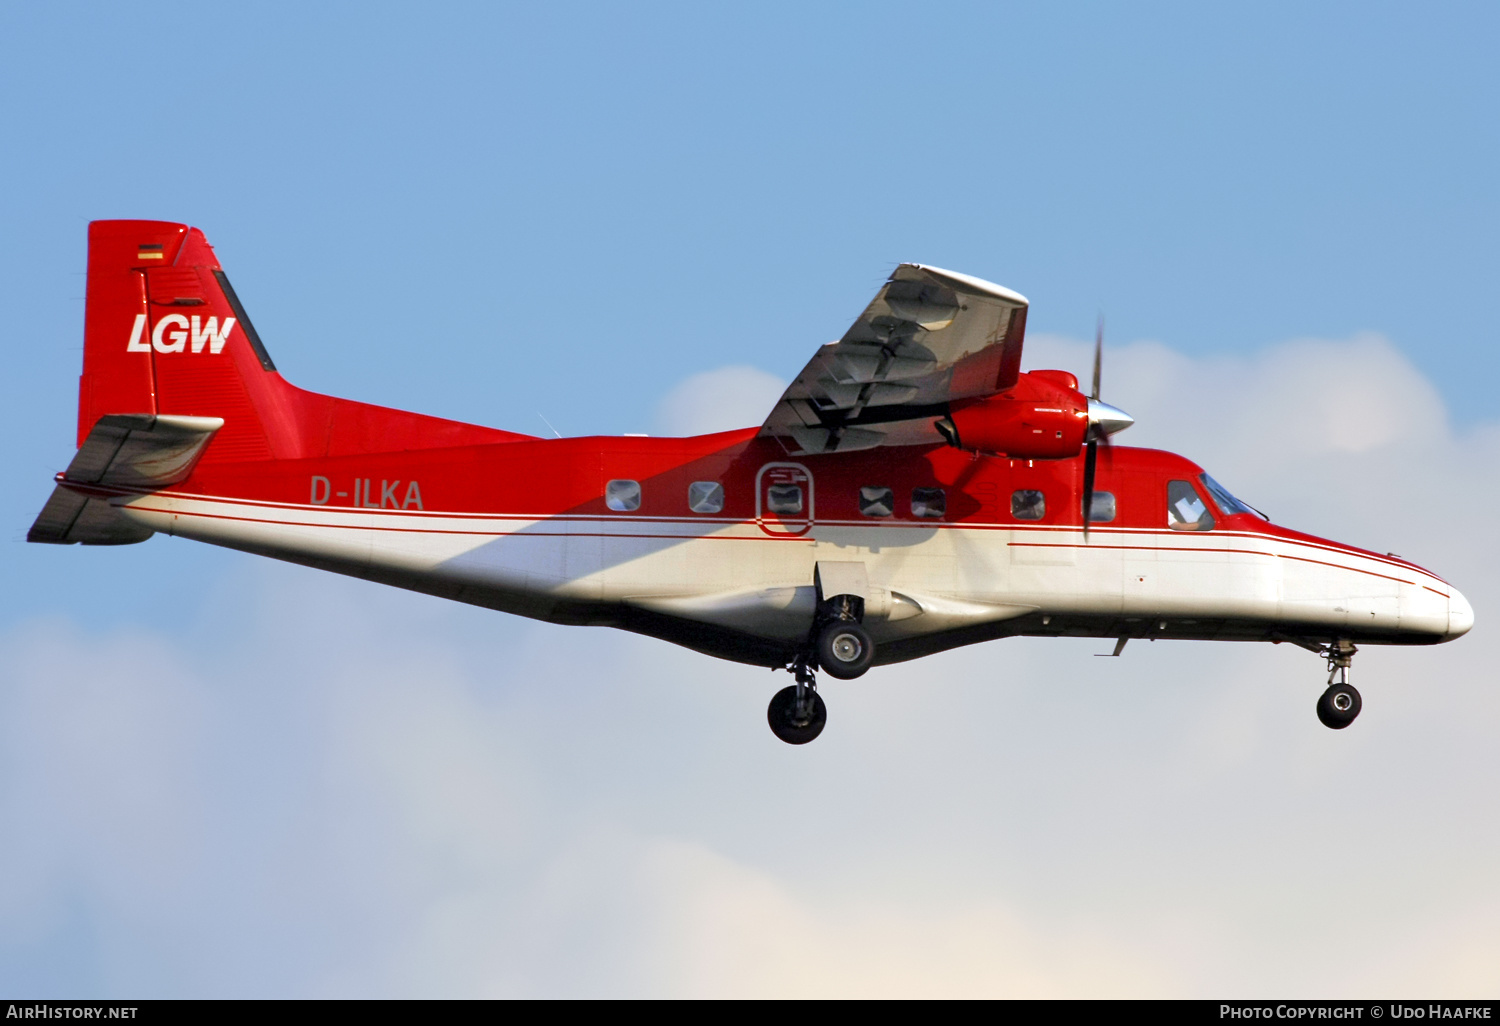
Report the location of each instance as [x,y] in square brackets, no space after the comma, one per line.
[1340,703]
[797,713]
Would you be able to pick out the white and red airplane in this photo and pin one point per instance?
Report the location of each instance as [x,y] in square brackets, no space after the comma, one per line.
[912,491]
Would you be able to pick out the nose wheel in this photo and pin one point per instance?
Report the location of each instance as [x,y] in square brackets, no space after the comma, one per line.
[1338,706]
[1340,703]
[797,713]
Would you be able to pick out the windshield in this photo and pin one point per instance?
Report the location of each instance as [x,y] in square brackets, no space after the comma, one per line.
[1226,502]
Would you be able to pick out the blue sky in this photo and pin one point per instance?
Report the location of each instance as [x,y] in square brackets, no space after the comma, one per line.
[498,213]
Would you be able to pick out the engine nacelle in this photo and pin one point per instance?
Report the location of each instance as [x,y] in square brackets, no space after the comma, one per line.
[1044,417]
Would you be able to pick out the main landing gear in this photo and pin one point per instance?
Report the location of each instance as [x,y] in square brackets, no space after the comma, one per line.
[844,650]
[1339,703]
[837,644]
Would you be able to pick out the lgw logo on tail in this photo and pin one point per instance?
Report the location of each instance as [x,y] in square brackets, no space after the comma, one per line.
[174,333]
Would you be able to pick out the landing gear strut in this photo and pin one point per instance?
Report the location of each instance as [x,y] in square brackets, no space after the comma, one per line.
[797,713]
[837,644]
[1340,703]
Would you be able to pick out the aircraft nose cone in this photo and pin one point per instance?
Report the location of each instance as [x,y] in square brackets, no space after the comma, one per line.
[1106,419]
[1460,616]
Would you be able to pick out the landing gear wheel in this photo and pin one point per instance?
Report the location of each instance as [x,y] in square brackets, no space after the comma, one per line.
[844,649]
[1338,706]
[796,722]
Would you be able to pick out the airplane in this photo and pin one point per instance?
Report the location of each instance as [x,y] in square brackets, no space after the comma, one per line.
[911,492]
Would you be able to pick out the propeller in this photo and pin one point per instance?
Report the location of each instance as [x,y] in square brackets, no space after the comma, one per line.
[1104,420]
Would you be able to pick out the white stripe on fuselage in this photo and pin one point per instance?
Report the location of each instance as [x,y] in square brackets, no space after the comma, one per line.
[969,572]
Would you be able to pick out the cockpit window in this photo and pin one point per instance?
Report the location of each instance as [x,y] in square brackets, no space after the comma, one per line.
[1185,510]
[1227,503]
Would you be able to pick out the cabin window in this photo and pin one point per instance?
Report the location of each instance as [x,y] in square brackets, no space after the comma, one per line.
[928,502]
[877,502]
[784,499]
[1102,510]
[1027,504]
[1185,510]
[706,497]
[623,496]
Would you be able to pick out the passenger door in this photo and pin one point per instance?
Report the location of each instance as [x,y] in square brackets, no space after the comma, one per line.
[784,499]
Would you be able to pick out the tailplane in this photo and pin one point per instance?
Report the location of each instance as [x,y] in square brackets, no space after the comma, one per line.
[134,451]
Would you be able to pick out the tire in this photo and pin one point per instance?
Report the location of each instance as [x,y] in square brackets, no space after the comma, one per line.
[782,715]
[1338,706]
[845,651]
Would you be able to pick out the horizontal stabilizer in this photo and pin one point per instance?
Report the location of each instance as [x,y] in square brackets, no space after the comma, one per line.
[69,517]
[124,450]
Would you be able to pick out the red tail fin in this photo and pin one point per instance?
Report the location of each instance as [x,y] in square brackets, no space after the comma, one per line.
[164,333]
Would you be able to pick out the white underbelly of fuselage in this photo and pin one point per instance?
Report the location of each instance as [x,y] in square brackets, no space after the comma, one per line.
[923,579]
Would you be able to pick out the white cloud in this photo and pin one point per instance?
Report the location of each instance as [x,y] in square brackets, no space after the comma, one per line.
[718,400]
[315,786]
[1339,437]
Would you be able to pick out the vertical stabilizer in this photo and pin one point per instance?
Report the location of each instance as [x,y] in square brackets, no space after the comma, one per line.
[118,375]
[166,335]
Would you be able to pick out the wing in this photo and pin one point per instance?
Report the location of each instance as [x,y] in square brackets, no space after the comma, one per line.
[929,337]
[124,450]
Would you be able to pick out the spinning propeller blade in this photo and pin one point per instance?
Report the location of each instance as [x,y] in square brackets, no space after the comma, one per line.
[1098,355]
[1104,420]
[1091,456]
[1089,460]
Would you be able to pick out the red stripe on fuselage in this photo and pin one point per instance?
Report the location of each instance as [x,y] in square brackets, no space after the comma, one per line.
[531,532]
[564,479]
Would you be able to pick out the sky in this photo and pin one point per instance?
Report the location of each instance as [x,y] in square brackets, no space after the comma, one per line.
[231,777]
